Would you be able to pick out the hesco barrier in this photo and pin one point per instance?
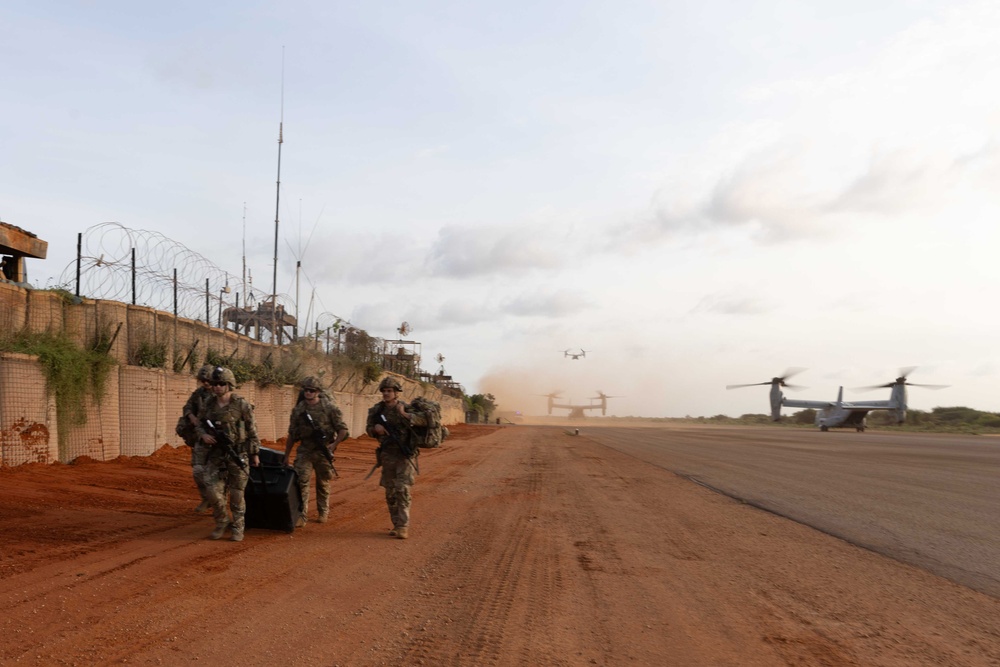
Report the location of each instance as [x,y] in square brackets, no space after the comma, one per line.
[138,412]
[140,406]
[27,415]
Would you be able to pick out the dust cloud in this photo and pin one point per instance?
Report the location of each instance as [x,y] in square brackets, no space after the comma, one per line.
[523,390]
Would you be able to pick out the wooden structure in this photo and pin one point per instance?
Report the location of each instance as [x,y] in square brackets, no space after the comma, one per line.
[15,245]
[264,318]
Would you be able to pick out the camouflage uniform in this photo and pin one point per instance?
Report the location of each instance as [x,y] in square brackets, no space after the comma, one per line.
[199,450]
[326,417]
[398,469]
[222,474]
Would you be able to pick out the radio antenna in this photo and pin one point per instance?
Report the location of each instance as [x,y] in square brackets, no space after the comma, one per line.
[244,250]
[277,205]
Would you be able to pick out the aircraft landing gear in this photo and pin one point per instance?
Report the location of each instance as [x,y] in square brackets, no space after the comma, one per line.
[860,428]
[824,428]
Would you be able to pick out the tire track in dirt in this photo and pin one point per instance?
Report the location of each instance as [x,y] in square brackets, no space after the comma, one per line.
[496,564]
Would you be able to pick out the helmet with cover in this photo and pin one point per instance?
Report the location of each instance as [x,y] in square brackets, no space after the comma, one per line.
[390,383]
[311,382]
[205,373]
[223,374]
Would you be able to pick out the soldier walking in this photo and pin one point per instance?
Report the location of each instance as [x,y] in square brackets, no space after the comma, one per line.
[318,426]
[187,429]
[228,430]
[389,422]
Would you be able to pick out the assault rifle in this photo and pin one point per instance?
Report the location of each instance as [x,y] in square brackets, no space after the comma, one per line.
[378,462]
[320,437]
[222,440]
[394,435]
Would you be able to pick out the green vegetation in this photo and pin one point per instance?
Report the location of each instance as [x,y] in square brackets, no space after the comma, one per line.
[372,371]
[264,374]
[289,370]
[71,373]
[149,354]
[950,420]
[481,404]
[940,420]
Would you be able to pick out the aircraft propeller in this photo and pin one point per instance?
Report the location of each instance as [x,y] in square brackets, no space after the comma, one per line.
[790,372]
[904,373]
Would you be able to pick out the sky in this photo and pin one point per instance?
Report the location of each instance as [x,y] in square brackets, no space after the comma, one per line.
[696,193]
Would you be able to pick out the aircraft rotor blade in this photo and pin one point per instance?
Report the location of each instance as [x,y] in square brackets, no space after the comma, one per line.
[791,371]
[874,386]
[928,386]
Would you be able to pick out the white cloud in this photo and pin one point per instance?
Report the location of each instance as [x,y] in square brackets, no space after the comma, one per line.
[475,251]
[554,304]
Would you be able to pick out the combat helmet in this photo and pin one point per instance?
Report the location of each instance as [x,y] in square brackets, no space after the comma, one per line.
[205,373]
[390,382]
[311,382]
[223,374]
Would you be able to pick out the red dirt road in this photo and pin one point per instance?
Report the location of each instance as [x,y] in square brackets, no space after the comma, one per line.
[528,547]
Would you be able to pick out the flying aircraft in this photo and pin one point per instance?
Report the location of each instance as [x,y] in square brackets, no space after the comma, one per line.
[841,413]
[579,411]
[575,355]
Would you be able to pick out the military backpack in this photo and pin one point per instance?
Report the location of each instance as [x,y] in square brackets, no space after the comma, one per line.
[433,434]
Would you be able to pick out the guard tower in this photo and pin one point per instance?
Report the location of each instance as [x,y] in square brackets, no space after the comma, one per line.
[15,245]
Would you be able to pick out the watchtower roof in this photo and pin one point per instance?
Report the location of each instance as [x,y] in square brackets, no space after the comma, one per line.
[20,242]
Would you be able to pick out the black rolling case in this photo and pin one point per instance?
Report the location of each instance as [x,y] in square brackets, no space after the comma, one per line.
[272,494]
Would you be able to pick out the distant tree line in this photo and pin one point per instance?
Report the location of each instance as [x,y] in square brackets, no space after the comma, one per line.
[947,419]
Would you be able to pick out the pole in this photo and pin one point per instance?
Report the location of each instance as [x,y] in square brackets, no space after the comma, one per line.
[208,321]
[79,254]
[175,292]
[133,276]
[277,205]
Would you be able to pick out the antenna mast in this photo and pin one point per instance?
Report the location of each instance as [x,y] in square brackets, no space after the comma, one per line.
[245,253]
[277,206]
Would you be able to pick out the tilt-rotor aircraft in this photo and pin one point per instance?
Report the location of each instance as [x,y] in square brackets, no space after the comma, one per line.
[575,355]
[579,411]
[841,413]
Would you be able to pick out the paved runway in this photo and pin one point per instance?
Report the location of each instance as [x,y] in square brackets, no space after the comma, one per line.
[926,499]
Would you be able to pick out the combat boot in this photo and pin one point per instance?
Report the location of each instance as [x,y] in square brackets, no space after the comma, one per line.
[323,517]
[402,532]
[301,521]
[220,530]
[237,536]
[201,508]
